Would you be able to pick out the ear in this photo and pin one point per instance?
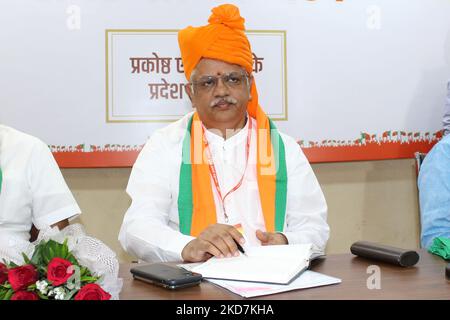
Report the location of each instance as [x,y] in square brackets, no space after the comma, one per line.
[250,82]
[188,90]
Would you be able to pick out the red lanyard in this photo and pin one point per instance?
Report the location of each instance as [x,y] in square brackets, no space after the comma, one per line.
[212,168]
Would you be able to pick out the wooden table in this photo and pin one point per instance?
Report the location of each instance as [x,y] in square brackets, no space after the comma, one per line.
[426,280]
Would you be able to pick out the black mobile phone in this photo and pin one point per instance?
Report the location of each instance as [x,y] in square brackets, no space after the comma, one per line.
[165,275]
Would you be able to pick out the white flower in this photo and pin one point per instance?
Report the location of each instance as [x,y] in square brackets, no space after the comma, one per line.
[59,293]
[42,286]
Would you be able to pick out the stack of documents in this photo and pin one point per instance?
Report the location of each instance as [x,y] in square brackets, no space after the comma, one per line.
[263,270]
[307,279]
[271,264]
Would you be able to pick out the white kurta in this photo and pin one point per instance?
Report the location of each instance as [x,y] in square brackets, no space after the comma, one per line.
[33,189]
[150,230]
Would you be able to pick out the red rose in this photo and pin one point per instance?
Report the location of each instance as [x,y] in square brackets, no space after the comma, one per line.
[92,291]
[57,272]
[24,295]
[21,277]
[3,273]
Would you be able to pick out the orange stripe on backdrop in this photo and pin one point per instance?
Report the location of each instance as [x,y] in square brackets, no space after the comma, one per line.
[370,151]
[390,150]
[97,159]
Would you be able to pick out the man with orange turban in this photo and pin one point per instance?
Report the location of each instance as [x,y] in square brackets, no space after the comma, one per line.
[222,175]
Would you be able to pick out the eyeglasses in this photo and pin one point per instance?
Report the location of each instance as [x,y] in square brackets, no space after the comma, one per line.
[232,80]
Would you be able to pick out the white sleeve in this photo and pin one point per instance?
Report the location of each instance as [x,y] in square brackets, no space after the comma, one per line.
[306,211]
[145,231]
[52,200]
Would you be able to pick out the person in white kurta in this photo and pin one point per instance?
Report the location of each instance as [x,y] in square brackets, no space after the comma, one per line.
[218,65]
[33,190]
[150,227]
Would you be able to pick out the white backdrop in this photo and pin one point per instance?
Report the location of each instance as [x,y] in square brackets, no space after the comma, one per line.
[366,66]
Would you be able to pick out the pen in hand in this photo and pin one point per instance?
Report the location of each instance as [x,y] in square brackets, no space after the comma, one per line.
[239,228]
[240,248]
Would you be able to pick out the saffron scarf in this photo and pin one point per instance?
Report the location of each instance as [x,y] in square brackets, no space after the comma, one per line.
[196,206]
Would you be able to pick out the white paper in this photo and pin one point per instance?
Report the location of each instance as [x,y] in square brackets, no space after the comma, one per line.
[189,266]
[307,279]
[272,264]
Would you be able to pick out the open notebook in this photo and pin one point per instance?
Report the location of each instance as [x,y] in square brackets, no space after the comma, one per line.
[278,264]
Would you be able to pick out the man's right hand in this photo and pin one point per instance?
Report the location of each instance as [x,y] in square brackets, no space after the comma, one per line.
[217,240]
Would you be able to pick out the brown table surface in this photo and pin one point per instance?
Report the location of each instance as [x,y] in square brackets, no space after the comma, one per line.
[426,280]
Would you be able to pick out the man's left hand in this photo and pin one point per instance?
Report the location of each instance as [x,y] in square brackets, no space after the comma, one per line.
[271,238]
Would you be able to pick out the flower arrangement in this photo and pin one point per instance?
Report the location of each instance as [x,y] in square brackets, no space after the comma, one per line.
[52,273]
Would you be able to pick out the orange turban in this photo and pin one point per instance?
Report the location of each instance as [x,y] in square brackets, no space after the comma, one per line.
[222,39]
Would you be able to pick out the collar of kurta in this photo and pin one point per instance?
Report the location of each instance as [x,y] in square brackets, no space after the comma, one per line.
[196,206]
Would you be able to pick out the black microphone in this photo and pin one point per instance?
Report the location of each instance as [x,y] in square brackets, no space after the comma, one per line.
[393,255]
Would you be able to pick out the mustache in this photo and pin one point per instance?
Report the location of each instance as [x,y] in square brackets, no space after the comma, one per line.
[217,101]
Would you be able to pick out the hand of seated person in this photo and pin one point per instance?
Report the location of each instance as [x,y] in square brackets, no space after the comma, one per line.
[217,240]
[271,238]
